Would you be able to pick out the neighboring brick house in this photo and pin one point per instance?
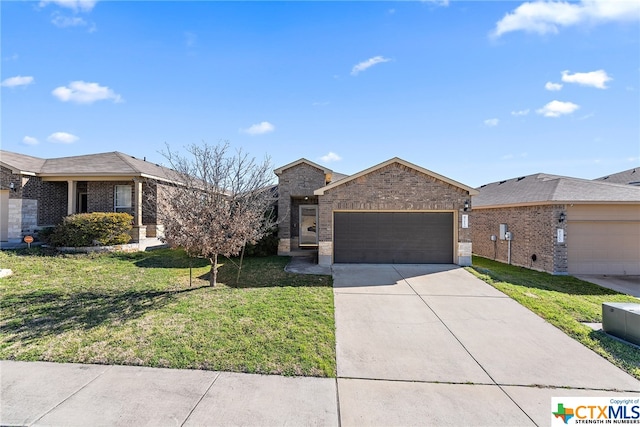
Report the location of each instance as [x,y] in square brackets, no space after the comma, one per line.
[35,192]
[394,212]
[559,224]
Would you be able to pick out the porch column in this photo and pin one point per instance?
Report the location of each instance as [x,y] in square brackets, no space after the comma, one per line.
[137,213]
[71,197]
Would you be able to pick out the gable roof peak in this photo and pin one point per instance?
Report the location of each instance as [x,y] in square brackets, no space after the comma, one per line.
[300,161]
[321,191]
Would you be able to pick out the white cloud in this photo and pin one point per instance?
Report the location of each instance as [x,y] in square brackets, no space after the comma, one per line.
[259,128]
[62,138]
[557,109]
[61,21]
[544,17]
[367,64]
[29,140]
[330,157]
[520,112]
[553,86]
[75,5]
[597,79]
[491,122]
[17,81]
[82,92]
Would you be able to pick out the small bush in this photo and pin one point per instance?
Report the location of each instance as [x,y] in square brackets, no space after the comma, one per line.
[92,229]
[44,234]
[266,246]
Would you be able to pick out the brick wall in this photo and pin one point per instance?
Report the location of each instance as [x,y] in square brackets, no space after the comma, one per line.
[51,199]
[46,201]
[101,194]
[393,187]
[52,203]
[534,230]
[149,205]
[6,178]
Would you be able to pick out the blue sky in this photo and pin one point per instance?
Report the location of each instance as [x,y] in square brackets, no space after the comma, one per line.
[476,91]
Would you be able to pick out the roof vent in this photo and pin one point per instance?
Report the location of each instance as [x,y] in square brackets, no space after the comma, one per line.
[483,185]
[606,177]
[521,178]
[502,182]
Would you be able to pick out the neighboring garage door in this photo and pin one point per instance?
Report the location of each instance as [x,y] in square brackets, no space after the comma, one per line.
[604,247]
[393,237]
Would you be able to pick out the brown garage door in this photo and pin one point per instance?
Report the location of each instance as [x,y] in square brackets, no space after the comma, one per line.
[393,237]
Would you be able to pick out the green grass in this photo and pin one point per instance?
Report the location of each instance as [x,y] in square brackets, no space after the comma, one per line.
[565,302]
[139,309]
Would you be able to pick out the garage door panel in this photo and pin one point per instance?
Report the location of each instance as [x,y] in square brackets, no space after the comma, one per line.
[393,237]
[604,247]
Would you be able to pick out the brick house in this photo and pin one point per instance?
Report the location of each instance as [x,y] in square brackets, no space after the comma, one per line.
[36,192]
[394,212]
[559,224]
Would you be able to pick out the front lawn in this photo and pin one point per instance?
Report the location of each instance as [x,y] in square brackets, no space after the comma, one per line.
[565,302]
[138,309]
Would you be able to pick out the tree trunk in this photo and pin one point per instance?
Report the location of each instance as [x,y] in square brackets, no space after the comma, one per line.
[213,274]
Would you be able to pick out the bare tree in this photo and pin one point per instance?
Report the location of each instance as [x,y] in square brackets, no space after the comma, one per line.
[219,202]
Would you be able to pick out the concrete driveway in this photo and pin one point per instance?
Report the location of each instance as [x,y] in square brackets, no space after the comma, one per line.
[629,285]
[434,345]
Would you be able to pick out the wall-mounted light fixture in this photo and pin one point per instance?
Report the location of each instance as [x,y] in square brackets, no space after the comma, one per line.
[12,187]
[562,217]
[466,205]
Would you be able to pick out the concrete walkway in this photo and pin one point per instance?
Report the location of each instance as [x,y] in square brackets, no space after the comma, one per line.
[416,345]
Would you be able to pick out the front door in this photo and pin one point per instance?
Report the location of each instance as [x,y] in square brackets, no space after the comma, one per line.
[308,225]
[82,203]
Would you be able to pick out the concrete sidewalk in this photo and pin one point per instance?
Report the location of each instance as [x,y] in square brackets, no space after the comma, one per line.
[48,394]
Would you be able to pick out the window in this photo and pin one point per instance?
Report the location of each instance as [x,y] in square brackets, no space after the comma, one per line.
[122,198]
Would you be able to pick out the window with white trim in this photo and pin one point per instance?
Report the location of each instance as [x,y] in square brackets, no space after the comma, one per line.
[122,198]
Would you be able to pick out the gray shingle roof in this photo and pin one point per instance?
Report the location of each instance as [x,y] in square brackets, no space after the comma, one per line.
[630,177]
[21,162]
[102,164]
[544,189]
